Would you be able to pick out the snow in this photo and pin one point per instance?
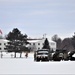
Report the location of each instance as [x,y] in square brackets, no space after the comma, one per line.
[24,65]
[33,41]
[73,55]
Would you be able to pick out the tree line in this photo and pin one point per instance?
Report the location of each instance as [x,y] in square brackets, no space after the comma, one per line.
[67,43]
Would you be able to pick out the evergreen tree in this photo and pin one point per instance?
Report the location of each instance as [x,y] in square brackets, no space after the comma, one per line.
[17,42]
[16,35]
[46,44]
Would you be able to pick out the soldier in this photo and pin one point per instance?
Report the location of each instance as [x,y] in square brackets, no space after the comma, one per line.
[35,56]
[26,55]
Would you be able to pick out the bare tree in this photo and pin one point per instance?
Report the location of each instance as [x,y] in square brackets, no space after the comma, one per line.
[57,40]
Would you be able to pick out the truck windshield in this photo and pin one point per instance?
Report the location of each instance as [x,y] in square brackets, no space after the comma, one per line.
[42,52]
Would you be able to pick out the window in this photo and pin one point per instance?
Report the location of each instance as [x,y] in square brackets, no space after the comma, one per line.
[0,48]
[0,43]
[33,43]
[5,48]
[38,48]
[42,43]
[38,43]
[4,43]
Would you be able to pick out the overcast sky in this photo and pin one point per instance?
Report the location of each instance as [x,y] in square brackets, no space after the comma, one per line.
[36,17]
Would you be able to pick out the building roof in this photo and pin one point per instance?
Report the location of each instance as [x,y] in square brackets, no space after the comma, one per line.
[40,40]
[50,40]
[4,40]
[33,40]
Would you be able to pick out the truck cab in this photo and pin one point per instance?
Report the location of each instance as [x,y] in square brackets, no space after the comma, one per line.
[42,55]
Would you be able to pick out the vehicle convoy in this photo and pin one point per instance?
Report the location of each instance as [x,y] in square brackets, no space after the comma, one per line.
[46,55]
[58,55]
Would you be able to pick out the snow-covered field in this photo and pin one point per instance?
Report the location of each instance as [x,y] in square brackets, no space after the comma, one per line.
[24,65]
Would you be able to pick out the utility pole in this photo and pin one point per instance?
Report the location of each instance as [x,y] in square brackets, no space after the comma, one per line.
[44,35]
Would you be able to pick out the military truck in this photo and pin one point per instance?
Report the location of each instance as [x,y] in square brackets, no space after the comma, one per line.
[60,54]
[42,55]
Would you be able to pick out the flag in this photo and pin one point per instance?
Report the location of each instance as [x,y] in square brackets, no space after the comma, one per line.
[0,32]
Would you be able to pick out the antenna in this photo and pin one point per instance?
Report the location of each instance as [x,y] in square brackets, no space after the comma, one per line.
[44,35]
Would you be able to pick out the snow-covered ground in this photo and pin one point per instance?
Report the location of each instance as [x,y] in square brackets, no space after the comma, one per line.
[24,65]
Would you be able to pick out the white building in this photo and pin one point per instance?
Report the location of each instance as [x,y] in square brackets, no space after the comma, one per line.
[34,44]
[38,44]
[3,43]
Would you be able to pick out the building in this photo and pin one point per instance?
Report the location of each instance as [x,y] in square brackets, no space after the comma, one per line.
[33,46]
[38,44]
[3,43]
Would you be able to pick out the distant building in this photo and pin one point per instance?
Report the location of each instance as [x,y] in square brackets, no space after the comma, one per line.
[38,44]
[34,45]
[3,43]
